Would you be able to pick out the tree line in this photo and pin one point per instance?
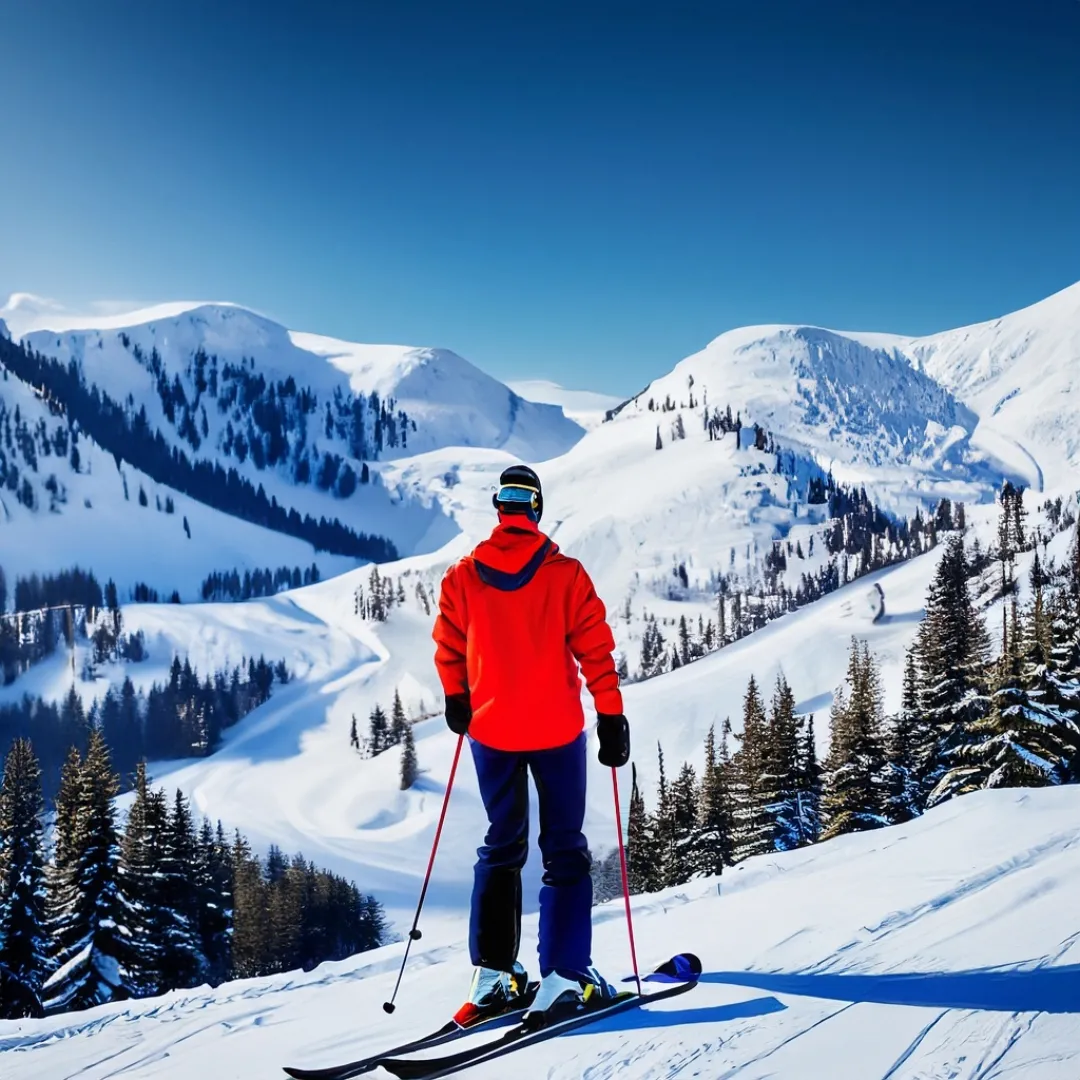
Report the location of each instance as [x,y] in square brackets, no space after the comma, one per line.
[160,904]
[229,585]
[57,608]
[127,435]
[968,720]
[183,717]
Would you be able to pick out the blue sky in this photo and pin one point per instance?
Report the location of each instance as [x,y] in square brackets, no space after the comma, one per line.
[585,192]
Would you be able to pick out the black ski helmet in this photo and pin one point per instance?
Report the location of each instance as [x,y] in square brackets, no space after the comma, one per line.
[521,480]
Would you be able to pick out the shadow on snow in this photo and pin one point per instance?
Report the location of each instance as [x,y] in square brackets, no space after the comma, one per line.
[1051,990]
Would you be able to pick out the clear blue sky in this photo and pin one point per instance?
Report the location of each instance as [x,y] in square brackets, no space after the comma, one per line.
[581,191]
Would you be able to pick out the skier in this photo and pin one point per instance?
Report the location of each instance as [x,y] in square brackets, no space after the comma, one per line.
[516,619]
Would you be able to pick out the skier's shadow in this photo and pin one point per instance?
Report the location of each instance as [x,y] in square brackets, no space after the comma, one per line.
[711,1014]
[1049,989]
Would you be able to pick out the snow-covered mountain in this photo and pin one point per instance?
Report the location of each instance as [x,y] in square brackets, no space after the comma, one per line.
[306,421]
[659,502]
[449,402]
[1021,375]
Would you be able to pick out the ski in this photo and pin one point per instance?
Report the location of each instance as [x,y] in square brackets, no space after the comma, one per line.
[684,967]
[447,1033]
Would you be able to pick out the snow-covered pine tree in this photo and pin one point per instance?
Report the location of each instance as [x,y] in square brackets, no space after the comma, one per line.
[399,722]
[409,766]
[213,898]
[379,731]
[1020,743]
[685,651]
[906,741]
[606,874]
[780,780]
[23,947]
[1063,691]
[642,861]
[853,782]
[86,913]
[808,790]
[712,841]
[684,803]
[951,649]
[752,826]
[140,866]
[354,735]
[182,962]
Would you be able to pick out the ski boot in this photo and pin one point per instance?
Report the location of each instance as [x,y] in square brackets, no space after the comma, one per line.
[493,993]
[564,994]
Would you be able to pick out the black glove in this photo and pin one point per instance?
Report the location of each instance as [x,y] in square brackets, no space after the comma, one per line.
[458,713]
[614,735]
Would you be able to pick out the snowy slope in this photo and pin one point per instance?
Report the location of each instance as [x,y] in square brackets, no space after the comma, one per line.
[1021,375]
[585,407]
[857,409]
[93,517]
[947,947]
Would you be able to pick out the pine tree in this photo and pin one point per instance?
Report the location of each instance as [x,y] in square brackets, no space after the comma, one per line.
[951,648]
[664,830]
[780,780]
[1020,743]
[399,722]
[251,922]
[287,896]
[22,940]
[182,962]
[354,737]
[642,861]
[140,866]
[86,912]
[683,802]
[712,847]
[409,767]
[752,827]
[808,790]
[685,653]
[213,897]
[853,791]
[906,745]
[1063,689]
[379,731]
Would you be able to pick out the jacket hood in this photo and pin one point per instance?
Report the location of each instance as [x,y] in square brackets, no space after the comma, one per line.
[513,553]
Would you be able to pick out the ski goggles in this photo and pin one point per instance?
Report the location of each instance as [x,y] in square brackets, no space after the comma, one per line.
[518,493]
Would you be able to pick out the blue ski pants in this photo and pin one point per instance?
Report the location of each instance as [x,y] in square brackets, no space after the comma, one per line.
[566,892]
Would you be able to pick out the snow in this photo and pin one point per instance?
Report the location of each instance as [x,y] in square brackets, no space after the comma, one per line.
[585,407]
[101,529]
[1021,375]
[944,947]
[453,402]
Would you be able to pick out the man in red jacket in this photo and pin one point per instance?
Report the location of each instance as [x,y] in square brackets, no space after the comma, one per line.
[516,620]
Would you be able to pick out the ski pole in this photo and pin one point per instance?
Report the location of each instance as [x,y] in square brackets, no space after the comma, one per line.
[414,933]
[625,879]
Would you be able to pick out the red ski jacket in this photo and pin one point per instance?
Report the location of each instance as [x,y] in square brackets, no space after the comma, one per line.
[516,618]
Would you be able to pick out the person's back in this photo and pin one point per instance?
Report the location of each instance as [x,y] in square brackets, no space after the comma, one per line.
[516,618]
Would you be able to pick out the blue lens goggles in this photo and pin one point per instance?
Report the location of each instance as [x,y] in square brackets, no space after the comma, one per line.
[512,493]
